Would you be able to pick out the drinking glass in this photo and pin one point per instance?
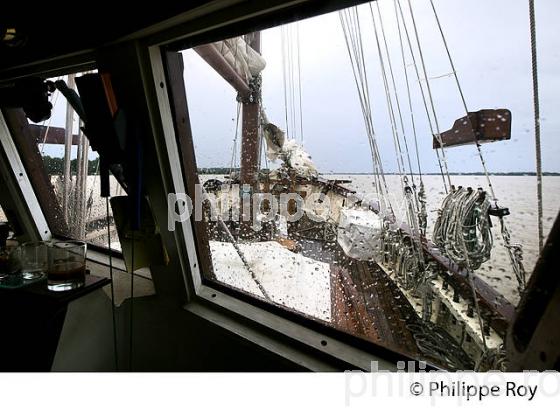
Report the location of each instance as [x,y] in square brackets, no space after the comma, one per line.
[33,259]
[67,265]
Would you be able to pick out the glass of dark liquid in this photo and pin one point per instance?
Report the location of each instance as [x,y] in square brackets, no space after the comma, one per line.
[67,265]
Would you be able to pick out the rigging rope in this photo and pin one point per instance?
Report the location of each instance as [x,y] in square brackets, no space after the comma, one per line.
[291,74]
[399,112]
[233,162]
[299,84]
[56,94]
[410,195]
[407,82]
[422,92]
[408,192]
[421,195]
[515,253]
[115,344]
[396,142]
[536,110]
[353,38]
[283,29]
[454,72]
[444,169]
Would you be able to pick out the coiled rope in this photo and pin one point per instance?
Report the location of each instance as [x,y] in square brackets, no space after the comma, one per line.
[463,224]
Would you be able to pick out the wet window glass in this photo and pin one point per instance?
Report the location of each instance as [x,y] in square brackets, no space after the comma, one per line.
[70,170]
[355,174]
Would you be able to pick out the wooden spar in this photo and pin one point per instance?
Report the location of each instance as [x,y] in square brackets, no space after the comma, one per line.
[67,151]
[250,142]
[50,135]
[33,162]
[478,127]
[212,56]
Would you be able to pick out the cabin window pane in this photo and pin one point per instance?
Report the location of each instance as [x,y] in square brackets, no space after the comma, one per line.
[346,222]
[70,179]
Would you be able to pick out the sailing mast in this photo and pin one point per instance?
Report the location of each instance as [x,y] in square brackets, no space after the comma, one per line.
[222,57]
[250,141]
[249,95]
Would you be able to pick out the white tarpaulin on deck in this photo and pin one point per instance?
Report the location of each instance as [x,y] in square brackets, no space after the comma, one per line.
[290,279]
[360,233]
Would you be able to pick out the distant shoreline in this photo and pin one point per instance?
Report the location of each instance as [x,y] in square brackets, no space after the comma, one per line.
[514,174]
[221,171]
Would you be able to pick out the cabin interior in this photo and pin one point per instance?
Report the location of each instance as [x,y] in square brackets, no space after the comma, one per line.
[169,314]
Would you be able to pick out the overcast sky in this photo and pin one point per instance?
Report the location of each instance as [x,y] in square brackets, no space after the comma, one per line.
[490,45]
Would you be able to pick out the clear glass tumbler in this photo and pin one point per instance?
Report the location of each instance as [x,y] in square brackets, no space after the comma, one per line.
[33,259]
[67,265]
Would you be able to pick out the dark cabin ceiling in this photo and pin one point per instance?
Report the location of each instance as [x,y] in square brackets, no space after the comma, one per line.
[53,33]
[53,30]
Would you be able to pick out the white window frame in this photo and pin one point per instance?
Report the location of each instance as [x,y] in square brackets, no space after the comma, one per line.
[30,213]
[259,326]
[286,338]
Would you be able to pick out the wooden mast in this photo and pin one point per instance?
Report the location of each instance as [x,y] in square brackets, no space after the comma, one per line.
[250,141]
[249,95]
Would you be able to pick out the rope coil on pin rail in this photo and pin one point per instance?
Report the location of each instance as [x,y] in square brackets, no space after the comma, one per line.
[462,232]
[463,223]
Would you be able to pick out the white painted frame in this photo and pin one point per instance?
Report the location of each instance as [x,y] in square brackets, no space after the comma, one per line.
[263,327]
[30,213]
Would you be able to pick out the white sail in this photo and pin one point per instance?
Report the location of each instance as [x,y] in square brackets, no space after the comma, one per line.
[288,151]
[243,58]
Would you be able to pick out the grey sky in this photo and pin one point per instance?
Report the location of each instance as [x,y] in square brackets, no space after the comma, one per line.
[489,42]
[490,45]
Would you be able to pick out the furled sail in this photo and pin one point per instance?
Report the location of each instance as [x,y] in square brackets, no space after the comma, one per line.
[244,59]
[288,151]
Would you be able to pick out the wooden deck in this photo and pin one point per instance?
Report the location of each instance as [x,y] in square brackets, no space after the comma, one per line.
[367,304]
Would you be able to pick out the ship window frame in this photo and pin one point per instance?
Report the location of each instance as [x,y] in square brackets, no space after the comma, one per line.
[283,332]
[286,334]
[35,223]
[40,216]
[14,173]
